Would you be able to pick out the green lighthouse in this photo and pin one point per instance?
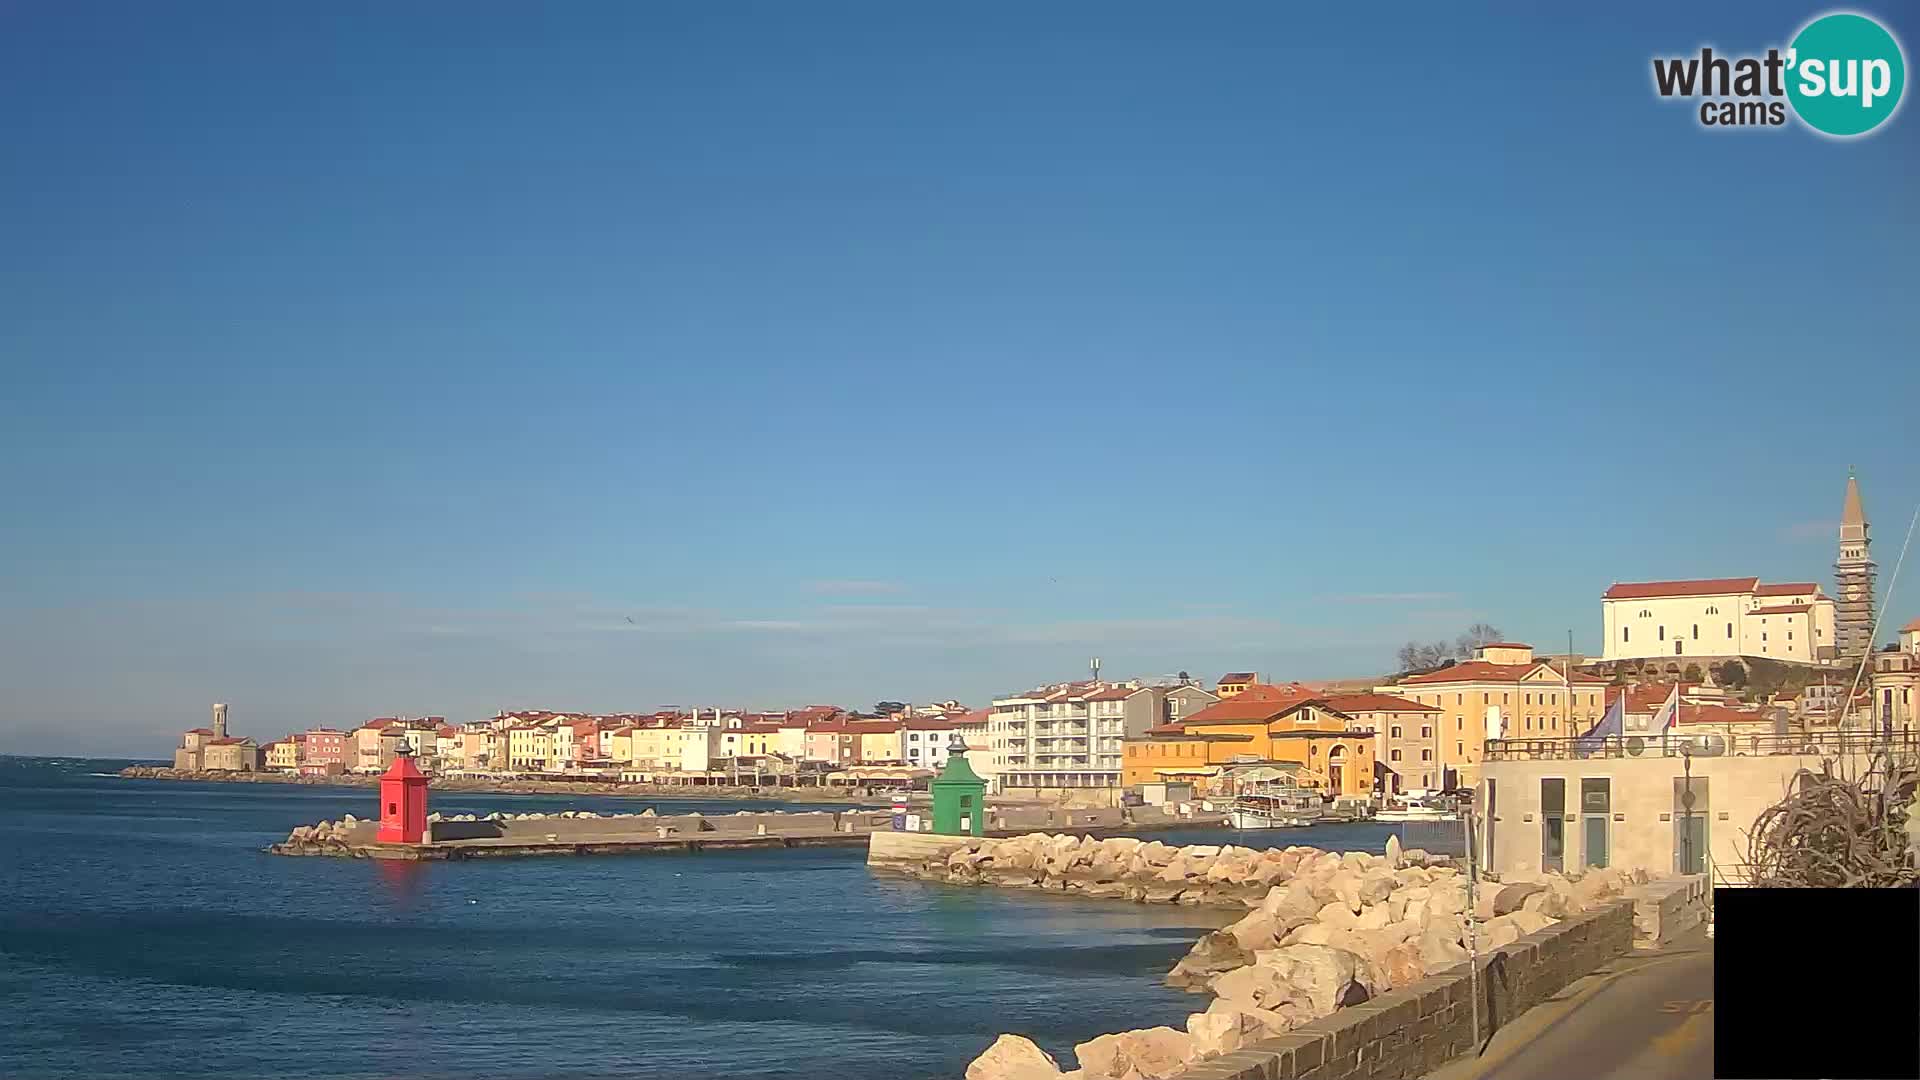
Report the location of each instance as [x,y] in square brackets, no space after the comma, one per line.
[959,795]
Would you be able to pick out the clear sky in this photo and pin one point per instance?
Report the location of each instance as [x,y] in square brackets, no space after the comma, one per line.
[432,358]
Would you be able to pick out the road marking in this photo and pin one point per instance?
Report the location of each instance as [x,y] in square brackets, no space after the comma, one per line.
[1525,1034]
[1684,1037]
[1688,1006]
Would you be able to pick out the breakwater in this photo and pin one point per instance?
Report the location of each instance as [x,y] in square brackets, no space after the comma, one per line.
[1325,931]
[482,785]
[584,832]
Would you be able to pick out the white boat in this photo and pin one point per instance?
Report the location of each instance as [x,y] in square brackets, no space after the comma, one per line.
[1415,813]
[1274,810]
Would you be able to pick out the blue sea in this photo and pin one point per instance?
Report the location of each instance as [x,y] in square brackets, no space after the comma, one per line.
[144,933]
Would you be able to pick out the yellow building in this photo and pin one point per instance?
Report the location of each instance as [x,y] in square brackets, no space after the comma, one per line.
[1259,725]
[283,755]
[1504,693]
[529,748]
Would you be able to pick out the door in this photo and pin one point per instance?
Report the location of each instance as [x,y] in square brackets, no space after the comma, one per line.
[1553,824]
[1596,799]
[1691,810]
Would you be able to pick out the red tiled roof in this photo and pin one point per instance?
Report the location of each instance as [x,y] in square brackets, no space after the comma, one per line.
[871,727]
[580,726]
[1249,708]
[1358,703]
[1482,671]
[199,731]
[1782,609]
[1114,693]
[934,723]
[763,727]
[1648,590]
[231,740]
[1911,627]
[1794,588]
[447,733]
[1239,677]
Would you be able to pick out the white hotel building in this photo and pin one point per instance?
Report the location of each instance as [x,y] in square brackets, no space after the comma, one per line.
[1717,618]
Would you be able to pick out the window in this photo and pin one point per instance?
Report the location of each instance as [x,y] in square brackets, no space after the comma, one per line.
[1426,731]
[1713,610]
[1426,755]
[1459,749]
[1393,755]
[1459,724]
[1626,634]
[1729,630]
[1395,732]
[1696,631]
[1663,633]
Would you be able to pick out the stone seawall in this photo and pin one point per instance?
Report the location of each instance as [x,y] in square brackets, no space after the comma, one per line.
[608,788]
[1328,931]
[556,833]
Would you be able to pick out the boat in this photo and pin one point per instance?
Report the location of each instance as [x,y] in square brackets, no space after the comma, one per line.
[1418,810]
[1275,809]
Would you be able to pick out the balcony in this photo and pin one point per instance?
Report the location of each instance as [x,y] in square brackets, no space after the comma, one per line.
[1818,744]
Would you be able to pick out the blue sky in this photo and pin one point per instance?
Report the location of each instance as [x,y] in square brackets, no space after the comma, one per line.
[375,358]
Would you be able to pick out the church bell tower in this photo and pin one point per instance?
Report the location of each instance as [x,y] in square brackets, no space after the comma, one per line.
[1853,574]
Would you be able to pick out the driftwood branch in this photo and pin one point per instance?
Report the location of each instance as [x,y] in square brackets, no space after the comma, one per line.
[1839,828]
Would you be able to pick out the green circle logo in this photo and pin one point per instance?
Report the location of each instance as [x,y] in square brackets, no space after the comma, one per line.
[1845,74]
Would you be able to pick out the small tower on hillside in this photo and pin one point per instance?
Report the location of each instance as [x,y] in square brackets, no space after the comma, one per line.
[1853,574]
[403,801]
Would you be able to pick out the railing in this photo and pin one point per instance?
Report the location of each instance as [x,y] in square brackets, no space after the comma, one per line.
[1812,744]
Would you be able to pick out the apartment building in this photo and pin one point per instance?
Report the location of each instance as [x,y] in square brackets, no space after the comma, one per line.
[1072,735]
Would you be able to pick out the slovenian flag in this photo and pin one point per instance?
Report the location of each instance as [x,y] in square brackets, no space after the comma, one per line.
[1669,713]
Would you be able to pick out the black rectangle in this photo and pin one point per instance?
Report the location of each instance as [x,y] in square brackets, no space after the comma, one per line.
[1816,983]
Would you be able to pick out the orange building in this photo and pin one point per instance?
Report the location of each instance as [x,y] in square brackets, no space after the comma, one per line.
[1260,725]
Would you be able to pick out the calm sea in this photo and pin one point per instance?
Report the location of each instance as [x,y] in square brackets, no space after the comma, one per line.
[143,933]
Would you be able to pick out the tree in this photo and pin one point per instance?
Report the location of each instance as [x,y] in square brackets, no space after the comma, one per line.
[1477,635]
[1692,674]
[1414,656]
[1731,674]
[888,708]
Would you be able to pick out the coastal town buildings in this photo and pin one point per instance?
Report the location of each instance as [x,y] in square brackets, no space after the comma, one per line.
[1406,739]
[1502,693]
[1072,735]
[283,755]
[1895,684]
[1290,726]
[323,752]
[230,754]
[1235,683]
[1708,620]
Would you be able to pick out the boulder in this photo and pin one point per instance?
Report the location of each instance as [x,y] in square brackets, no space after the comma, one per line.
[1510,898]
[1376,885]
[1440,950]
[1375,917]
[1447,899]
[1337,915]
[1327,977]
[1548,903]
[1254,986]
[1257,930]
[1394,854]
[1530,921]
[1346,887]
[1217,952]
[1502,930]
[1310,933]
[1150,1054]
[1013,1057]
[651,812]
[1295,899]
[1402,966]
[1216,1033]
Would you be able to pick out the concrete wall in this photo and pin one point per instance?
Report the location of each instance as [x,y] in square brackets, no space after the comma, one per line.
[584,830]
[1642,831]
[1411,1032]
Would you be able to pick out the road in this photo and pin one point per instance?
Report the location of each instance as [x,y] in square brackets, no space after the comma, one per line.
[1645,1016]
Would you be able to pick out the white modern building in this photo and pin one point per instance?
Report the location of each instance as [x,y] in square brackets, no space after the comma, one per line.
[1071,735]
[1717,617]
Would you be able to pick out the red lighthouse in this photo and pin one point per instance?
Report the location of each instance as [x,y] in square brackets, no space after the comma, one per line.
[403,801]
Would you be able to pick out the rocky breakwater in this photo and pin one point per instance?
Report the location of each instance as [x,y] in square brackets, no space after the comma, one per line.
[1119,868]
[349,835]
[1335,929]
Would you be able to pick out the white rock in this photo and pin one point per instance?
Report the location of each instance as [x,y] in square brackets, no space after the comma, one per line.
[1013,1057]
[1152,1053]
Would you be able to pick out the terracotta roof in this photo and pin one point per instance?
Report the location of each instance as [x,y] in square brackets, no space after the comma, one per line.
[447,733]
[762,727]
[1648,590]
[231,740]
[1482,671]
[1114,693]
[1240,677]
[1358,703]
[1176,731]
[199,731]
[1506,645]
[1782,609]
[1794,588]
[579,726]
[933,723]
[871,727]
[1249,708]
[1911,627]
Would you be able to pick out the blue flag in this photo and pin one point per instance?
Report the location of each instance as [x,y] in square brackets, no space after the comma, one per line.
[1611,725]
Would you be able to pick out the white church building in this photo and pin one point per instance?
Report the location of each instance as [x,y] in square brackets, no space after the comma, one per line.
[1716,618]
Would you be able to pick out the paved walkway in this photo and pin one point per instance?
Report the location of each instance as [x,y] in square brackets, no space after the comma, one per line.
[1644,1016]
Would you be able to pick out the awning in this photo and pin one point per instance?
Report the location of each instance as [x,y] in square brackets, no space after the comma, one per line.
[1188,770]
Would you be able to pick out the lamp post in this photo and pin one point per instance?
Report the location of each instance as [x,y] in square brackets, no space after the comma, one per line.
[1686,809]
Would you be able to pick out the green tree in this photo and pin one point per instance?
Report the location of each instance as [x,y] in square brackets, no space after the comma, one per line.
[1692,674]
[1731,674]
